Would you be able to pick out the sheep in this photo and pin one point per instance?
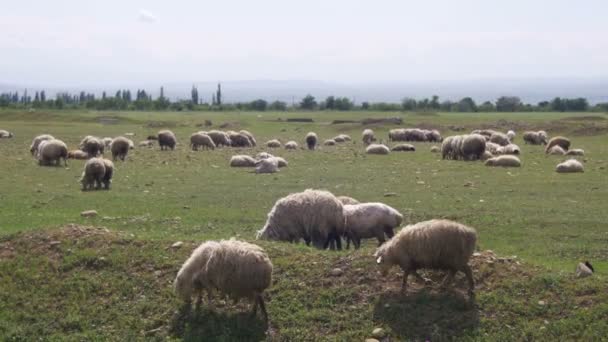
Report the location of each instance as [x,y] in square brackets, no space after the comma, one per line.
[465,147]
[433,136]
[434,244]
[414,134]
[535,138]
[396,134]
[120,147]
[511,135]
[556,151]
[347,200]
[575,152]
[504,161]
[511,149]
[486,155]
[242,161]
[543,135]
[201,140]
[291,145]
[78,154]
[435,149]
[338,139]
[500,139]
[494,148]
[106,141]
[377,149]
[450,148]
[93,174]
[219,138]
[37,140]
[313,215]
[486,133]
[346,137]
[368,136]
[369,220]
[249,136]
[403,148]
[270,165]
[92,145]
[239,139]
[235,268]
[52,151]
[166,139]
[558,141]
[5,134]
[329,142]
[263,155]
[281,162]
[311,140]
[274,143]
[107,178]
[569,166]
[146,143]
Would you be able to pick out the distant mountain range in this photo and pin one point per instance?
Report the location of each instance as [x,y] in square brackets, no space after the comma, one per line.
[529,90]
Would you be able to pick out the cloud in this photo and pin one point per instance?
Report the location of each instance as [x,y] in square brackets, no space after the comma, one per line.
[146,16]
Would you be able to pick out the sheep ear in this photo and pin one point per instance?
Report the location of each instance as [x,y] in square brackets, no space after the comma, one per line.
[379,260]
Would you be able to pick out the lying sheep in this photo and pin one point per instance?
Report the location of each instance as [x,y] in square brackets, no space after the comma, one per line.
[107,177]
[511,149]
[219,138]
[433,135]
[370,220]
[312,215]
[494,148]
[575,152]
[377,149]
[235,268]
[200,140]
[345,137]
[311,140]
[291,145]
[338,139]
[435,149]
[569,166]
[434,244]
[535,138]
[558,141]
[486,133]
[146,143]
[329,142]
[242,161]
[4,134]
[396,134]
[36,142]
[78,154]
[249,136]
[511,135]
[347,200]
[414,134]
[486,155]
[120,147]
[274,143]
[92,145]
[166,139]
[93,174]
[500,139]
[281,162]
[556,151]
[368,136]
[270,165]
[403,148]
[504,161]
[51,152]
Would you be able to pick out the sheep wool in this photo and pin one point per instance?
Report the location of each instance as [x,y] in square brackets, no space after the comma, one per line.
[242,161]
[556,150]
[274,143]
[575,152]
[370,220]
[4,134]
[249,136]
[403,148]
[311,140]
[109,173]
[377,149]
[562,142]
[270,165]
[52,151]
[504,161]
[120,147]
[570,166]
[368,136]
[347,200]
[36,142]
[201,140]
[78,154]
[291,145]
[93,174]
[219,138]
[329,142]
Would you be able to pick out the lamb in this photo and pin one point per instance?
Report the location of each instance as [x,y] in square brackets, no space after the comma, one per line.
[274,143]
[558,141]
[511,149]
[575,152]
[504,161]
[239,139]
[556,151]
[313,215]
[368,136]
[403,148]
[78,154]
[249,136]
[52,151]
[242,161]
[107,178]
[270,165]
[570,166]
[166,139]
[369,220]
[511,135]
[235,268]
[5,134]
[36,142]
[291,145]
[219,138]
[329,142]
[500,139]
[311,140]
[201,140]
[92,145]
[434,244]
[377,149]
[535,138]
[347,200]
[120,147]
[93,174]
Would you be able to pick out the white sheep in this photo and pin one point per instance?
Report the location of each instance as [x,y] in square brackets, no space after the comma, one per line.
[570,166]
[434,244]
[535,138]
[269,165]
[338,139]
[199,139]
[345,137]
[107,177]
[263,155]
[5,134]
[242,161]
[511,149]
[92,145]
[311,140]
[500,139]
[106,141]
[347,200]
[511,135]
[504,161]
[93,174]
[329,142]
[377,149]
[52,151]
[291,145]
[368,136]
[575,152]
[36,142]
[370,220]
[556,151]
[249,136]
[166,139]
[219,138]
[274,143]
[78,154]
[562,142]
[403,148]
[120,147]
[435,149]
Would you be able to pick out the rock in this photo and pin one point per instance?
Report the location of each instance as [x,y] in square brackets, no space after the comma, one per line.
[89,213]
[390,194]
[541,302]
[583,271]
[378,333]
[54,243]
[336,272]
[468,184]
[178,244]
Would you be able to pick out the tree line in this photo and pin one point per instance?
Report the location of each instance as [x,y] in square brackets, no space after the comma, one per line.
[143,101]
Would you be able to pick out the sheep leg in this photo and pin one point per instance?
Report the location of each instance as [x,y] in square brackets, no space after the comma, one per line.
[260,301]
[389,232]
[357,242]
[338,242]
[406,273]
[380,236]
[467,271]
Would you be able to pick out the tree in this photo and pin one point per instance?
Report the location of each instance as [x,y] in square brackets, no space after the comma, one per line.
[408,104]
[330,103]
[308,102]
[218,95]
[162,93]
[278,106]
[194,95]
[508,104]
[487,107]
[42,96]
[434,102]
[467,105]
[259,105]
[343,104]
[365,105]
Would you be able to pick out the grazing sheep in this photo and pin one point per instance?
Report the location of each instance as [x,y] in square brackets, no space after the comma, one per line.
[504,161]
[329,142]
[569,166]
[313,215]
[93,174]
[219,138]
[450,148]
[92,145]
[347,200]
[201,140]
[338,139]
[535,138]
[270,165]
[120,147]
[249,136]
[403,148]
[107,177]
[377,149]
[146,143]
[500,139]
[274,143]
[558,141]
[78,154]
[370,220]
[575,152]
[396,134]
[473,146]
[5,134]
[242,161]
[291,145]
[235,268]
[434,244]
[435,149]
[543,136]
[368,136]
[36,142]
[556,151]
[106,141]
[511,149]
[415,134]
[52,151]
[166,139]
[311,140]
[239,139]
[511,135]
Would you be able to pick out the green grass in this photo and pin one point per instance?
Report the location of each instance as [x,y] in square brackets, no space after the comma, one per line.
[118,285]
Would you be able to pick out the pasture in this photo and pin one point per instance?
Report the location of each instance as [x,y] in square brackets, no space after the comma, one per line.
[61,280]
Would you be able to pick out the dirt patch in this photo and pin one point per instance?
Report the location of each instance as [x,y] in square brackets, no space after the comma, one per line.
[160,124]
[382,121]
[584,118]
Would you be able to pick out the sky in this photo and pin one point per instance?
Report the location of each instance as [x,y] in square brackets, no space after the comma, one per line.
[350,41]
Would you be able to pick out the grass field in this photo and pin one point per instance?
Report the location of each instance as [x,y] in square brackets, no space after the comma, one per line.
[116,284]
